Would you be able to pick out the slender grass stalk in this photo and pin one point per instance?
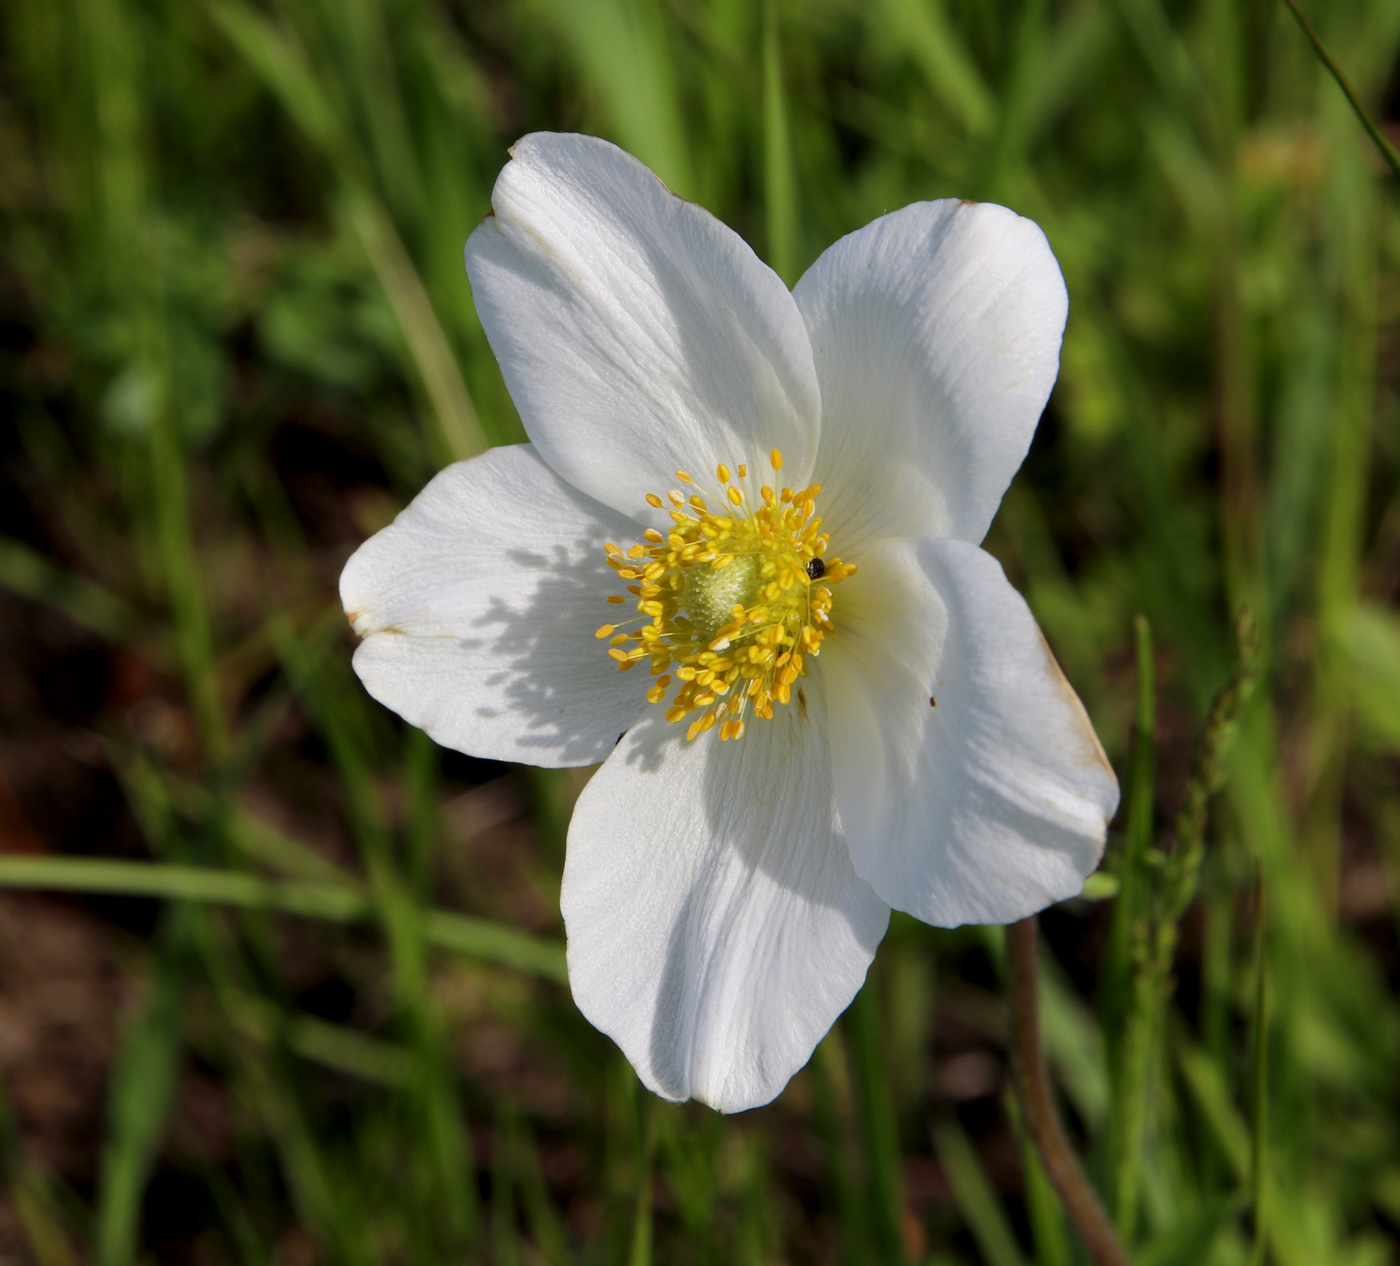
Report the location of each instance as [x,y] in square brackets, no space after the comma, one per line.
[1032,1079]
[1259,1081]
[1130,1018]
[1381,141]
[643,1228]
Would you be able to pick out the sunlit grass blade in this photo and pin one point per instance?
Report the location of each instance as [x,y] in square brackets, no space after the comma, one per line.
[623,52]
[333,903]
[270,50]
[950,71]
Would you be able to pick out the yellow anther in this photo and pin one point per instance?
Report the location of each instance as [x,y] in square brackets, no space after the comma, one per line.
[776,458]
[616,597]
[726,602]
[743,471]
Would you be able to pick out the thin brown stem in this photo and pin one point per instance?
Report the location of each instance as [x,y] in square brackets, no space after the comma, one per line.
[1032,1080]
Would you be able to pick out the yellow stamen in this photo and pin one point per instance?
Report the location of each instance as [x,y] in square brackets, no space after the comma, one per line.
[729,604]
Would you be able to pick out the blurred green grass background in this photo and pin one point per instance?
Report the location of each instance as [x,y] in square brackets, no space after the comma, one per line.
[236,337]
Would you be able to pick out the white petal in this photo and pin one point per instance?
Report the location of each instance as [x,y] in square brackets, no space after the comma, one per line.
[971,785]
[936,331]
[478,607]
[716,928]
[637,334]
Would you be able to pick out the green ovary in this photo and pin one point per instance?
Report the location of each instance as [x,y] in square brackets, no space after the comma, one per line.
[711,593]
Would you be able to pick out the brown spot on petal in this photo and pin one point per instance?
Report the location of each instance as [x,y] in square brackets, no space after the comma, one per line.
[932,702]
[966,202]
[1089,751]
[801,703]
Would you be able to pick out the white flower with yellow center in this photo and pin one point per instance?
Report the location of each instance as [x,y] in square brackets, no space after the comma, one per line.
[764,508]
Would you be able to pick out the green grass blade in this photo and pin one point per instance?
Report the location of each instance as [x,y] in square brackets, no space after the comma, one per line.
[477,938]
[1131,1009]
[831,1109]
[85,603]
[976,1199]
[623,51]
[779,180]
[1049,1230]
[1259,1083]
[140,1097]
[923,27]
[879,1128]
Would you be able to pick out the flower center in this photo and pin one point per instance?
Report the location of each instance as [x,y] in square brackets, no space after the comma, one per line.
[733,599]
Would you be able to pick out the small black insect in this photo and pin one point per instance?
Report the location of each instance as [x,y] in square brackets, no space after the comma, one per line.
[816,569]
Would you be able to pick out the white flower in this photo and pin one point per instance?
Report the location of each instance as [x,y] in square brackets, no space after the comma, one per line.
[723,900]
